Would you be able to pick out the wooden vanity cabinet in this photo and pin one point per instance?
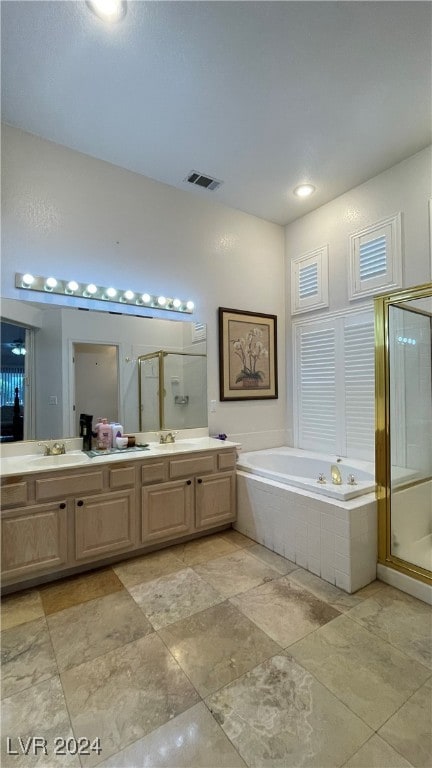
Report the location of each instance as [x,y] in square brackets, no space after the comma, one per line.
[63,520]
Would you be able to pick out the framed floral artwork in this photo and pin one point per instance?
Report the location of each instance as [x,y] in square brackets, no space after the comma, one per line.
[247,355]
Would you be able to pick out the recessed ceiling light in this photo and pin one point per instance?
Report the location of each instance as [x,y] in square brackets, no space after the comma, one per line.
[304,190]
[108,10]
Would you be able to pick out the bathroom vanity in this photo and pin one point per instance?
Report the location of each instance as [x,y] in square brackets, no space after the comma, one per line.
[59,519]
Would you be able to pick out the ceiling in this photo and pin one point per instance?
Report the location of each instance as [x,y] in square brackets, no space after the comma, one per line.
[261,95]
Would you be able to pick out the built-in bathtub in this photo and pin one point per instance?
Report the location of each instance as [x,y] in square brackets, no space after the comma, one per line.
[330,530]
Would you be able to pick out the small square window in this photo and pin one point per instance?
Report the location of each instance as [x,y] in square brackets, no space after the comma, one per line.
[309,281]
[376,258]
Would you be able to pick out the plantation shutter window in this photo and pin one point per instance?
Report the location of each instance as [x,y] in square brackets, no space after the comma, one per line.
[376,258]
[359,375]
[309,281]
[316,388]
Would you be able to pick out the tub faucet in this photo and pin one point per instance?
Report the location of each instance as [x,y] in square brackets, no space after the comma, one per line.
[336,475]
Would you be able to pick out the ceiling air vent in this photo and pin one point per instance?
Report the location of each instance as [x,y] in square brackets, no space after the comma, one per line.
[201,180]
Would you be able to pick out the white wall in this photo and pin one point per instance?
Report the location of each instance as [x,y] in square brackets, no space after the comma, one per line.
[405,187]
[76,217]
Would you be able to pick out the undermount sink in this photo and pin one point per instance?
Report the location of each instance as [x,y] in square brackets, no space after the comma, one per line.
[62,460]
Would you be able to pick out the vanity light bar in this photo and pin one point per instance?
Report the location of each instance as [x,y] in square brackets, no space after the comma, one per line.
[29,282]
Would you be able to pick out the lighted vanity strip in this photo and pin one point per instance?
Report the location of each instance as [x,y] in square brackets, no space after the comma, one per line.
[68,513]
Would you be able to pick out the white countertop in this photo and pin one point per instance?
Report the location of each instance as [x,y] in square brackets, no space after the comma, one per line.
[36,462]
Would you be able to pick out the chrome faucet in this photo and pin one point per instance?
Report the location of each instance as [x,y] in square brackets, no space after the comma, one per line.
[336,475]
[168,437]
[56,449]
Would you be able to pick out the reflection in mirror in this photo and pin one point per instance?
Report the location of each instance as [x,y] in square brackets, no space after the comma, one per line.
[170,390]
[61,387]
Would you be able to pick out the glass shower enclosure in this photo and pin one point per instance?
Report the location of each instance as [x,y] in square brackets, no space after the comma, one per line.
[172,390]
[404,430]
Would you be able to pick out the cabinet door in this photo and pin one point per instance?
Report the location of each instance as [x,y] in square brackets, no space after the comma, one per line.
[167,510]
[215,500]
[104,524]
[33,539]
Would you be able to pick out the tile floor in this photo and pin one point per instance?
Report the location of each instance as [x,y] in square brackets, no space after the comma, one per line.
[215,654]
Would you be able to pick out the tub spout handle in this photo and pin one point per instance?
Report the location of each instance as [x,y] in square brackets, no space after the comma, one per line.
[321,478]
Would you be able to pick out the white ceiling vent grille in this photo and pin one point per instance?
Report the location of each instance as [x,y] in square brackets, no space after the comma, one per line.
[202,180]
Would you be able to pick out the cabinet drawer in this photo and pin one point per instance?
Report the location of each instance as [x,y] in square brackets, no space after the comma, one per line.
[13,492]
[154,472]
[66,485]
[121,477]
[226,460]
[191,466]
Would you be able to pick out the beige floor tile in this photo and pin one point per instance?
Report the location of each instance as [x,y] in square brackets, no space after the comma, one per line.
[173,597]
[376,753]
[236,573]
[148,567]
[192,740]
[27,656]
[126,694]
[370,676]
[279,716]
[216,646]
[78,589]
[325,591]
[236,538]
[38,711]
[202,550]
[98,626]
[279,563]
[400,619]
[284,610]
[410,730]
[20,608]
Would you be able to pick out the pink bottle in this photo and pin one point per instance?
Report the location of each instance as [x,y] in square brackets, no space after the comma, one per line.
[103,434]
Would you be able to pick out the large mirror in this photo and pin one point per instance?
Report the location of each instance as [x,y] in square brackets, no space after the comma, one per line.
[84,361]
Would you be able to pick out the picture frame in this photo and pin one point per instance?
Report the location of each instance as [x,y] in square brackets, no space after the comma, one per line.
[247,355]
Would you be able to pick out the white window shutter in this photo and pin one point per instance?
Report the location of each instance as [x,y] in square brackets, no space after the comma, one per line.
[359,374]
[316,388]
[309,281]
[376,258]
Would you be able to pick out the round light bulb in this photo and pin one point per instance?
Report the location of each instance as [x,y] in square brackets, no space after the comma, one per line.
[72,286]
[161,301]
[190,305]
[28,279]
[304,190]
[128,295]
[146,298]
[111,292]
[51,283]
[108,10]
[176,303]
[91,289]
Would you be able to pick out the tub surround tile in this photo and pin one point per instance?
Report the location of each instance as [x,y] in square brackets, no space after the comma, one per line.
[192,740]
[284,610]
[27,656]
[279,563]
[216,646]
[376,753]
[99,626]
[173,597]
[278,716]
[79,589]
[20,608]
[236,573]
[409,731]
[201,550]
[148,567]
[38,711]
[401,620]
[126,694]
[371,677]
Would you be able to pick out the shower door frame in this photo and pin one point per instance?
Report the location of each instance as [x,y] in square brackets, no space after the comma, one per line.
[382,428]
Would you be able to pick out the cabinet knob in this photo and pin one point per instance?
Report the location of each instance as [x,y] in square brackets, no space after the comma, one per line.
[80,503]
[62,505]
[188,482]
[199,480]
